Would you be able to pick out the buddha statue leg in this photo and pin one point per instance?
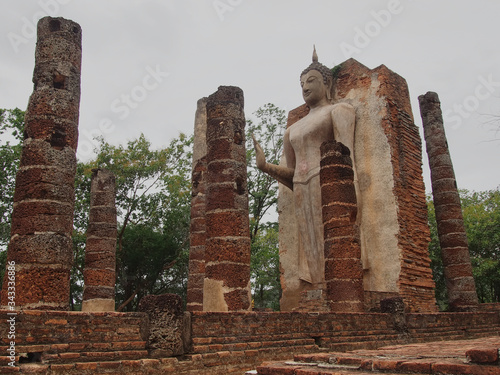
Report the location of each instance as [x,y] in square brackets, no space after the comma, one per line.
[310,223]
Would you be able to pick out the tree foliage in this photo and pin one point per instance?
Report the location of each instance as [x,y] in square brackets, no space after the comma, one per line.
[11,137]
[481,212]
[263,197]
[152,200]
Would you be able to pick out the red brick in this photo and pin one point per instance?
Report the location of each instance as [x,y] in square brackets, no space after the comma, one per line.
[483,355]
[86,366]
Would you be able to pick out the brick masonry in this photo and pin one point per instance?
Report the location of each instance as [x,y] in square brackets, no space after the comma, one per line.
[222,343]
[450,223]
[42,217]
[392,211]
[343,267]
[198,207]
[382,96]
[227,247]
[100,251]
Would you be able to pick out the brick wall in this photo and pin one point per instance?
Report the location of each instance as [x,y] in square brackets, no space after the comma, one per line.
[222,343]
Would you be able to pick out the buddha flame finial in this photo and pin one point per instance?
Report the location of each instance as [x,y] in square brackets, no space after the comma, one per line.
[315,55]
[315,65]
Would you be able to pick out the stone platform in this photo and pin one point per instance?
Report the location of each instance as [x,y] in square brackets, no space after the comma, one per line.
[476,357]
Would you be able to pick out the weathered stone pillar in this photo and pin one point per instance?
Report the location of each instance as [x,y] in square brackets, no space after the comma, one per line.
[452,237]
[227,251]
[42,217]
[198,204]
[100,251]
[343,268]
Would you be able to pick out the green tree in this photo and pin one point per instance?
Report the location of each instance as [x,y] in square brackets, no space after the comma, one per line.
[265,268]
[263,196]
[11,137]
[482,222]
[153,201]
[436,260]
[481,212]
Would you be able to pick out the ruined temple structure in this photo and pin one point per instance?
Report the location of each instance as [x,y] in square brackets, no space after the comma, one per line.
[42,218]
[220,199]
[376,239]
[460,284]
[391,206]
[100,250]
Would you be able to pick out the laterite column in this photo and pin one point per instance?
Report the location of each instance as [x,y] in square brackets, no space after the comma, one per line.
[227,251]
[451,230]
[197,230]
[343,268]
[42,217]
[100,251]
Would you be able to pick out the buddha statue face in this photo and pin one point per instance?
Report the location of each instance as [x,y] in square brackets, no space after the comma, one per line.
[314,90]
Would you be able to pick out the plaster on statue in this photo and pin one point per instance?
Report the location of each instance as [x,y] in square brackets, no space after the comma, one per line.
[325,121]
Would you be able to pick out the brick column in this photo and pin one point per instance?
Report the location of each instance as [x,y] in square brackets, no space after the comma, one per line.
[343,268]
[452,237]
[100,251]
[42,218]
[198,238]
[198,204]
[227,251]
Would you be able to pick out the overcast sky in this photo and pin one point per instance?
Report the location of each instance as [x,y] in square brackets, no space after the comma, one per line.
[190,47]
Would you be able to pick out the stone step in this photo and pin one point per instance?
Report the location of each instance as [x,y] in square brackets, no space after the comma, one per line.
[70,357]
[386,366]
[79,347]
[478,356]
[5,369]
[252,345]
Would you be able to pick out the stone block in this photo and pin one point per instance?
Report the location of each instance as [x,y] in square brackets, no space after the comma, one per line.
[99,277]
[340,210]
[168,332]
[41,248]
[342,247]
[343,268]
[223,148]
[98,292]
[228,250]
[100,259]
[238,299]
[52,293]
[225,128]
[456,239]
[338,192]
[228,223]
[198,238]
[483,355]
[336,172]
[38,152]
[344,290]
[104,230]
[102,214]
[232,275]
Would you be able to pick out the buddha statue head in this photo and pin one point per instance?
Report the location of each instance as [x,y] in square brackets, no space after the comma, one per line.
[320,78]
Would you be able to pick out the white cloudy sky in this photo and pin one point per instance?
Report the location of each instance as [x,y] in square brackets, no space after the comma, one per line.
[447,46]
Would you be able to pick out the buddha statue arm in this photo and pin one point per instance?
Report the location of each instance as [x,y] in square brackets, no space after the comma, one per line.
[281,173]
[344,119]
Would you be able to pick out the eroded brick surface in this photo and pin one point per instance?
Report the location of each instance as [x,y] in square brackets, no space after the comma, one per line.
[42,218]
[451,230]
